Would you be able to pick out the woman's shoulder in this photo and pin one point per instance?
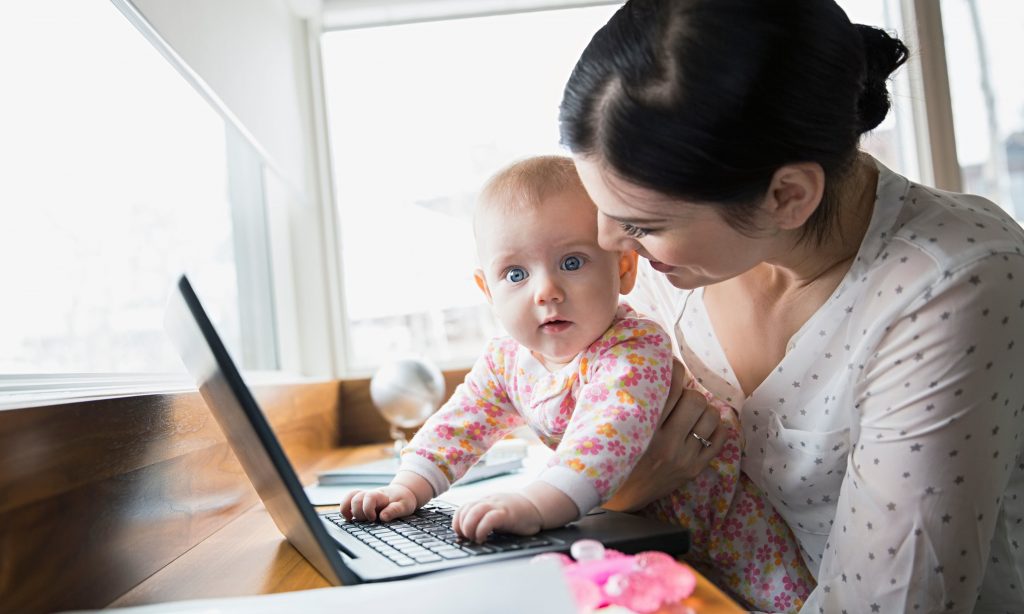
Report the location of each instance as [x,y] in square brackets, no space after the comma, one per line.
[953,229]
[920,236]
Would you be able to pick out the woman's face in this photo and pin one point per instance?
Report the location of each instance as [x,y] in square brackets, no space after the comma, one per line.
[690,244]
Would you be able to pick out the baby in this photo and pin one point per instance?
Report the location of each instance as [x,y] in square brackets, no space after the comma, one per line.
[590,377]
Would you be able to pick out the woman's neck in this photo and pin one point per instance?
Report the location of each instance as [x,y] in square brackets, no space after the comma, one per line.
[806,261]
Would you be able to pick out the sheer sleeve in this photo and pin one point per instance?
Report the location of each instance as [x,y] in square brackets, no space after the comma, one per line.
[940,430]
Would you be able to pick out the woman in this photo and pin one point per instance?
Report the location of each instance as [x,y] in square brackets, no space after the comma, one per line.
[866,328]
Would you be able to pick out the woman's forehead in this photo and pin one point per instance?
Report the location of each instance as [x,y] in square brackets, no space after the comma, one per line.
[619,198]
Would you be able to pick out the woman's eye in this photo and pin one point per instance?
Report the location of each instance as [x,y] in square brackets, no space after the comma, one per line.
[515,275]
[571,263]
[635,231]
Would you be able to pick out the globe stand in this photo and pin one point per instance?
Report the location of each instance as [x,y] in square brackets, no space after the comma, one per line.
[398,435]
[406,392]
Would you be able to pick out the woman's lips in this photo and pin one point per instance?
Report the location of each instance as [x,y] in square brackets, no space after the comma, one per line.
[555,326]
[660,267]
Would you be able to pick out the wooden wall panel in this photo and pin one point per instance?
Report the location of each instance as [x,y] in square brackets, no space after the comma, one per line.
[97,496]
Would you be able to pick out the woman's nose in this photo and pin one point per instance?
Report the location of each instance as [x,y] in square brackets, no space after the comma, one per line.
[547,290]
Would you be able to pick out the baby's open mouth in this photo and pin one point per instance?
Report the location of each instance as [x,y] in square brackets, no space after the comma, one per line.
[555,326]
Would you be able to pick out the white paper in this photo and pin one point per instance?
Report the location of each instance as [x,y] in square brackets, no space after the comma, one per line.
[514,587]
[459,494]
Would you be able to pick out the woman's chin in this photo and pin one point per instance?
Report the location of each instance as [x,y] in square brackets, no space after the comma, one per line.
[685,281]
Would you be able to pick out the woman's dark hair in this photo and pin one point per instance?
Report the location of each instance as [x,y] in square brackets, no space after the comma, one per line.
[704,100]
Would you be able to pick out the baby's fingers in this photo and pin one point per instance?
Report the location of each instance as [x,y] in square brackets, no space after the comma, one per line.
[490,522]
[356,505]
[398,508]
[345,507]
[458,520]
[469,524]
[372,502]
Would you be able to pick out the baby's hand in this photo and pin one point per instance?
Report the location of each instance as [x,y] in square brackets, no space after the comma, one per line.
[508,512]
[389,502]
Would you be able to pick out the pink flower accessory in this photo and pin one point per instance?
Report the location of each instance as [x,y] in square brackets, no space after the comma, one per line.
[643,583]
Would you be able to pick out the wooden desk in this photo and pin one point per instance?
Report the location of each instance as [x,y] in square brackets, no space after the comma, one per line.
[248,556]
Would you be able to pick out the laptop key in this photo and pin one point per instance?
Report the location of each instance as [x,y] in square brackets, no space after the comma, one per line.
[451,553]
[426,558]
[475,549]
[509,546]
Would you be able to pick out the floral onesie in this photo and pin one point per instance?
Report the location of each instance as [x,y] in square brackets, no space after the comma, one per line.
[598,414]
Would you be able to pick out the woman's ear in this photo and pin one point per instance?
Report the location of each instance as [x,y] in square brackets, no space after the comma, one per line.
[481,282]
[795,193]
[627,271]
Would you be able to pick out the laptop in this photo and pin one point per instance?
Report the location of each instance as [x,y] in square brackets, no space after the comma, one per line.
[354,552]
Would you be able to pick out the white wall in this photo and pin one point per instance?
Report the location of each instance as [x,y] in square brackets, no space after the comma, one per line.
[255,56]
[252,53]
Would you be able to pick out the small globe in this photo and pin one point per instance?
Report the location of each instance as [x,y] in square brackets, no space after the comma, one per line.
[407,391]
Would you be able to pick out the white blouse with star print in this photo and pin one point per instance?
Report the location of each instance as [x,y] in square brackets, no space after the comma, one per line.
[890,435]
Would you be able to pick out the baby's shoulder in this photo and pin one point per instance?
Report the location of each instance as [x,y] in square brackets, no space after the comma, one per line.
[631,332]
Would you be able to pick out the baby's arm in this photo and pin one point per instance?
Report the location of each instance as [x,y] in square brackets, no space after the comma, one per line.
[478,414]
[614,418]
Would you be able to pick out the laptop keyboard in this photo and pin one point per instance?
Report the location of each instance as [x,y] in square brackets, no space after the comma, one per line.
[427,537]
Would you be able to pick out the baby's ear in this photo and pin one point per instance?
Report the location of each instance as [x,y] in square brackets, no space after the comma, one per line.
[627,271]
[481,282]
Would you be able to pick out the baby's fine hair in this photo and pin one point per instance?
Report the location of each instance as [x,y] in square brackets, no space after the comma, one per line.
[527,183]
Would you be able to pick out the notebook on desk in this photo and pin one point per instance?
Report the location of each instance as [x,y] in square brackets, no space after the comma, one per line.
[353,552]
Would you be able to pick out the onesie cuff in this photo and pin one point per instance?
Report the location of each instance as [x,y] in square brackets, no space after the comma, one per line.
[575,486]
[426,470]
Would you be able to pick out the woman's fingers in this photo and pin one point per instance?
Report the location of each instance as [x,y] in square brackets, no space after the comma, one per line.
[675,391]
[718,440]
[705,425]
[687,411]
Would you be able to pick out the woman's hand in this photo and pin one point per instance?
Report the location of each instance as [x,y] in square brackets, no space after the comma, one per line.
[674,456]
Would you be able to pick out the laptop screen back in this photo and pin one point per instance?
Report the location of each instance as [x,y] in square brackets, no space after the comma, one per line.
[249,433]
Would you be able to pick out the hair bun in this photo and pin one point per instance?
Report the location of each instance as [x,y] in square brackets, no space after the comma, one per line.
[883,54]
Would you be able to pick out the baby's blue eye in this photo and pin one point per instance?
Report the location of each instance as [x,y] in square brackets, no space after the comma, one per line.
[515,275]
[571,263]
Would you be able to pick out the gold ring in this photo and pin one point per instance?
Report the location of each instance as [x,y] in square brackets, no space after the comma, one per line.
[703,442]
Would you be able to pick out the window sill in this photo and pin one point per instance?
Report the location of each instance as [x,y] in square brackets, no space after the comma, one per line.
[34,390]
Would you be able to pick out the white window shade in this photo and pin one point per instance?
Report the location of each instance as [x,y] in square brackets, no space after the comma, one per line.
[344,14]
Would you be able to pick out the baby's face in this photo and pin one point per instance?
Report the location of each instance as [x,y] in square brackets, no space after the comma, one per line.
[553,288]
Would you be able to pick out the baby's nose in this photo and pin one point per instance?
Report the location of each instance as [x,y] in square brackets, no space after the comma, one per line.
[548,291]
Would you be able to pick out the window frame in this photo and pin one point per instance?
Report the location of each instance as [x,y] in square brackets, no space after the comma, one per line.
[930,110]
[314,269]
[260,253]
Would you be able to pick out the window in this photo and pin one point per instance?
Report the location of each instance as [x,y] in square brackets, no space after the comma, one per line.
[118,176]
[982,54]
[893,141]
[419,116]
